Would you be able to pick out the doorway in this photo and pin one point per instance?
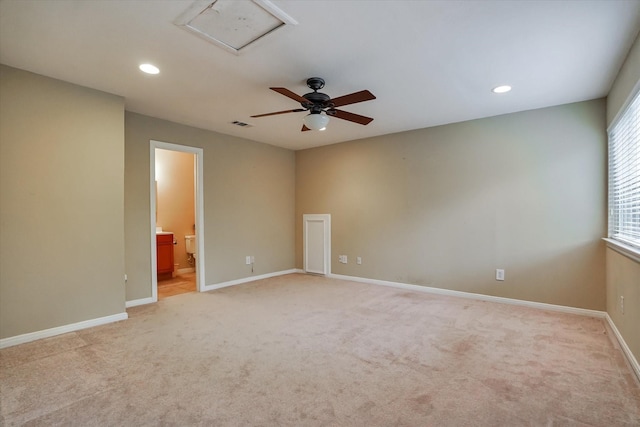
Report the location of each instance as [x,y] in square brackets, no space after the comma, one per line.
[171,220]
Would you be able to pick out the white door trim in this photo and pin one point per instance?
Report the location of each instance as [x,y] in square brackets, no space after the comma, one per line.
[199,178]
[325,219]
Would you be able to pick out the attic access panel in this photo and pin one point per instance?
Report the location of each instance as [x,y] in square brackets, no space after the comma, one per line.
[231,24]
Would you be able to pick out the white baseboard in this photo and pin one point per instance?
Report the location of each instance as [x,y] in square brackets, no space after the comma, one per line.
[47,333]
[185,270]
[625,348]
[248,279]
[141,301]
[481,297]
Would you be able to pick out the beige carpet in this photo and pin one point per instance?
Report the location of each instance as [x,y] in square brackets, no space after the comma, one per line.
[307,351]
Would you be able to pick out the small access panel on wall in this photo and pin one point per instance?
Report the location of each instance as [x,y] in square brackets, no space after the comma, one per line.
[316,237]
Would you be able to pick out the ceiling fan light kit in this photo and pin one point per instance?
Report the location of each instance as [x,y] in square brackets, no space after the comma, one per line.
[320,106]
[316,121]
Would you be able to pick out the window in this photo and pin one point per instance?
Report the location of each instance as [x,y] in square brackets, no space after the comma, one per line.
[624,176]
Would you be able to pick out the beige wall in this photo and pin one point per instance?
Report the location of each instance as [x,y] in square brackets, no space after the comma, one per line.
[623,274]
[249,205]
[61,192]
[446,206]
[176,199]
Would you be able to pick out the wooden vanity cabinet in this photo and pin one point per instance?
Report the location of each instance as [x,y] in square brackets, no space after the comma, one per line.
[164,255]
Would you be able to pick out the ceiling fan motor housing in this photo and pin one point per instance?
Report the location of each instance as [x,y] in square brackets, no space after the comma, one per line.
[317,101]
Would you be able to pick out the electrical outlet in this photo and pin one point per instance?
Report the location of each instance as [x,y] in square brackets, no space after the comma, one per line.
[247,260]
[359,260]
[500,274]
[622,303]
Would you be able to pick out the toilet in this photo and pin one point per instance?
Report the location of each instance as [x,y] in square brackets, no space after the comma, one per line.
[190,245]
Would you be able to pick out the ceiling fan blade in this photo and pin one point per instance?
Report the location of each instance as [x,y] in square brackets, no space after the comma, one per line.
[304,128]
[345,115]
[297,110]
[363,95]
[286,92]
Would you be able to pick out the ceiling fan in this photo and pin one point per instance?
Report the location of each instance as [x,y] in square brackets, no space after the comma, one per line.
[320,106]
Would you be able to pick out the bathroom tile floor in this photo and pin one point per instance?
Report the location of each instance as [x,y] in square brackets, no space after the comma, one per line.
[181,284]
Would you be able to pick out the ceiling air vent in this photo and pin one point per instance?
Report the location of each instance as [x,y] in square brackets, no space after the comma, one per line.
[241,124]
[231,24]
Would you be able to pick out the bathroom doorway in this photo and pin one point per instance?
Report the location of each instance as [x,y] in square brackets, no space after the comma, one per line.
[176,215]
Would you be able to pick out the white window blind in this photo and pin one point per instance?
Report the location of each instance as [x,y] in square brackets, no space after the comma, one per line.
[624,176]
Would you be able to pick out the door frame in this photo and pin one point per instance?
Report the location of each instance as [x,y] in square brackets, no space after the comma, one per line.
[326,222]
[199,210]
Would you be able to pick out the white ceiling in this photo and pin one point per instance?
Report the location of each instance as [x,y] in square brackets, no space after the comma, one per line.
[428,62]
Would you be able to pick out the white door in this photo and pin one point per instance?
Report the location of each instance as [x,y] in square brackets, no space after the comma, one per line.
[317,243]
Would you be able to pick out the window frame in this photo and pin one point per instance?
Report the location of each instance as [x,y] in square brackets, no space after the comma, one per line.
[627,246]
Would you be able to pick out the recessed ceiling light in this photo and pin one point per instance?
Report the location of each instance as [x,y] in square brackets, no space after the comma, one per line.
[501,89]
[149,69]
